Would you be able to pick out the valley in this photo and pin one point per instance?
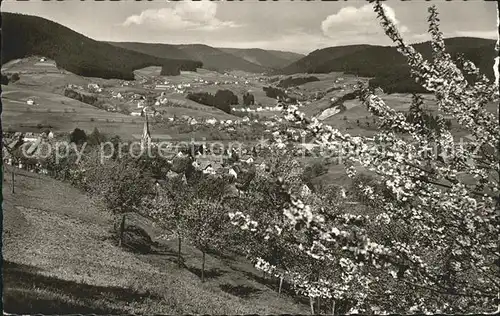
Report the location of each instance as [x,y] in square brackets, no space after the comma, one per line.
[161,178]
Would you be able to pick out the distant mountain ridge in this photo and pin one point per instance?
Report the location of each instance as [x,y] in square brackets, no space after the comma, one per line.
[274,59]
[25,35]
[221,59]
[153,49]
[31,35]
[216,59]
[319,57]
[386,65]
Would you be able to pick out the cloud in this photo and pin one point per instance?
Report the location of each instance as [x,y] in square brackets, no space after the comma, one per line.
[300,42]
[482,34]
[359,24]
[186,15]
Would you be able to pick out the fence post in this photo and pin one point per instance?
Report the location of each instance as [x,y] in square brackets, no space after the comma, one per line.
[122,229]
[281,283]
[13,179]
[311,303]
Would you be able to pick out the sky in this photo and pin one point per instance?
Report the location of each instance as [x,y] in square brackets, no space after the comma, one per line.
[298,26]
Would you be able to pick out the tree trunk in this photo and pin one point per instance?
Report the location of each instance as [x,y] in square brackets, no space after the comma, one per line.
[179,250]
[319,298]
[333,306]
[122,229]
[281,283]
[311,303]
[13,180]
[203,268]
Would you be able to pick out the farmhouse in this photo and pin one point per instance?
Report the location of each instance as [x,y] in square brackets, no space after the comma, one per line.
[30,102]
[137,96]
[305,190]
[136,113]
[30,137]
[378,91]
[233,173]
[161,87]
[33,147]
[94,87]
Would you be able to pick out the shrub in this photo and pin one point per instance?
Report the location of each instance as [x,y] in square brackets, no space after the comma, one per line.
[222,100]
[15,77]
[274,93]
[248,99]
[314,170]
[278,94]
[290,82]
[5,80]
[135,232]
[95,137]
[78,136]
[202,98]
[81,96]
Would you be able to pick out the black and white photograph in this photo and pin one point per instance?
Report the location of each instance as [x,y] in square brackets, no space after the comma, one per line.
[250,157]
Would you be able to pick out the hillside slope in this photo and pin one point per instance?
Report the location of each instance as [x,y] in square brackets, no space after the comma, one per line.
[60,258]
[153,49]
[319,57]
[212,58]
[386,65]
[266,58]
[291,56]
[24,35]
[216,59]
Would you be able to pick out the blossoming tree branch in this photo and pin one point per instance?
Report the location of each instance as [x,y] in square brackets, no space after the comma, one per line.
[437,203]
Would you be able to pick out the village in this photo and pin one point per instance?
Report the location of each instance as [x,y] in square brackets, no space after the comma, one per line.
[153,98]
[226,158]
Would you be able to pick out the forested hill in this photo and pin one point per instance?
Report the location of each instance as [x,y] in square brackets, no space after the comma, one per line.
[386,65]
[211,57]
[272,59]
[24,35]
[217,59]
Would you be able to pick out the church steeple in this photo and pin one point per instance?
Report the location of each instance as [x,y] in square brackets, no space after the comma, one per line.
[146,136]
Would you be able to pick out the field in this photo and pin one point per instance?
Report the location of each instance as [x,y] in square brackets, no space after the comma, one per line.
[59,258]
[59,113]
